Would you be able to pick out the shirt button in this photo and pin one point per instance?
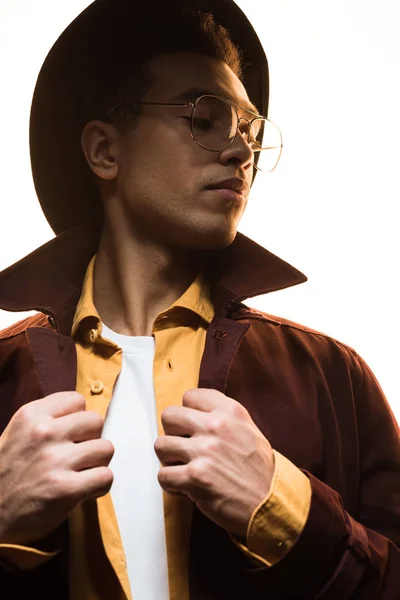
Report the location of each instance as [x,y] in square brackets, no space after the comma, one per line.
[97,387]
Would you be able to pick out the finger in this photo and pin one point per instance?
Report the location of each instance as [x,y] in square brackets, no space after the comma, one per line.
[92,483]
[180,420]
[173,450]
[56,405]
[206,400]
[79,426]
[91,454]
[174,479]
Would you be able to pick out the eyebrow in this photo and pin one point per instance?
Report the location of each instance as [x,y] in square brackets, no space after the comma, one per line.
[193,93]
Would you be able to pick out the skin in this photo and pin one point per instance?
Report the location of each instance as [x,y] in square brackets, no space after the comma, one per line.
[159,217]
[213,452]
[52,458]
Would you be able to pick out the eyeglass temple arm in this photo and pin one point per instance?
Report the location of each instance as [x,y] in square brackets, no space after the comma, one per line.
[191,104]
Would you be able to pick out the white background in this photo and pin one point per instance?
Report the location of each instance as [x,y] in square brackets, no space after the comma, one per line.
[331,206]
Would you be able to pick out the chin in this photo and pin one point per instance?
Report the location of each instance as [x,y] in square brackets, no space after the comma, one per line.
[209,240]
[221,242]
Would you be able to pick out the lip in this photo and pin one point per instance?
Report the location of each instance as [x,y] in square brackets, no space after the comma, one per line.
[234,184]
[228,194]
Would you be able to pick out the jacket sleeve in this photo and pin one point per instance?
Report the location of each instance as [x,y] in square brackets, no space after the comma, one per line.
[343,556]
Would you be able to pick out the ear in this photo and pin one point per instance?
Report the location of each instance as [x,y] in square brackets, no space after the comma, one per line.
[100,146]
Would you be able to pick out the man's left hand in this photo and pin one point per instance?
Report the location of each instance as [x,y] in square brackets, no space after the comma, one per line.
[214,453]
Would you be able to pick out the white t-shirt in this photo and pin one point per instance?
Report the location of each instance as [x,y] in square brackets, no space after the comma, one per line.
[131,425]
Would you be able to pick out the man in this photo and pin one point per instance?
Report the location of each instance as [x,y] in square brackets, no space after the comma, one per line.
[143,371]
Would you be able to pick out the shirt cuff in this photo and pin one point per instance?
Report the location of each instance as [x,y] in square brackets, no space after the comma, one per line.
[24,558]
[278,521]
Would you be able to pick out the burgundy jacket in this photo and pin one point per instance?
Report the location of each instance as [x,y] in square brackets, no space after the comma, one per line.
[312,397]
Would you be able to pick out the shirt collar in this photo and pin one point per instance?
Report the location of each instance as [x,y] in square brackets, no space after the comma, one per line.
[85,308]
[50,279]
[195,299]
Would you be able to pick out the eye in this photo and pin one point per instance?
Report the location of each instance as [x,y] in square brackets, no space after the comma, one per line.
[204,124]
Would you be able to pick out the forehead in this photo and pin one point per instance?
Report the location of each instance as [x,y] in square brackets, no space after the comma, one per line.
[174,75]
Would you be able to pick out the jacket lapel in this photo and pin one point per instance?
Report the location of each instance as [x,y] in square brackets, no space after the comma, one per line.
[222,341]
[55,360]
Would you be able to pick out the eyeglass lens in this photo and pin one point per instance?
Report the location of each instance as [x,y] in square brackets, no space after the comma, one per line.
[214,127]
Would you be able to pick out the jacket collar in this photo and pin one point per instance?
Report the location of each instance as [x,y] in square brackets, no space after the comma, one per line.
[50,279]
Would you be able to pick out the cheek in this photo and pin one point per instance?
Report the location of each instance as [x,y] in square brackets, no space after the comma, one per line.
[159,182]
[163,162]
[159,154]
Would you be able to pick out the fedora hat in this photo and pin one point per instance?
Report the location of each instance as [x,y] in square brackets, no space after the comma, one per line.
[87,57]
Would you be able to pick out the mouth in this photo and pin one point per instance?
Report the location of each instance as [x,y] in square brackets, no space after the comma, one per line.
[234,183]
[234,189]
[228,194]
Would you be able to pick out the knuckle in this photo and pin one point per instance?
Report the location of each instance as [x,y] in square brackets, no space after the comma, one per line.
[108,448]
[167,412]
[212,446]
[218,424]
[165,478]
[42,431]
[162,476]
[71,399]
[24,414]
[58,486]
[189,396]
[238,411]
[199,472]
[95,420]
[77,401]
[167,415]
[105,479]
[159,444]
[99,484]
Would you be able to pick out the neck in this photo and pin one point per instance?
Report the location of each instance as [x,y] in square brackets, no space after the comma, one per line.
[135,279]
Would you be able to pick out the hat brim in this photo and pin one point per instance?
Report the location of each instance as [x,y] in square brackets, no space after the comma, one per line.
[64,185]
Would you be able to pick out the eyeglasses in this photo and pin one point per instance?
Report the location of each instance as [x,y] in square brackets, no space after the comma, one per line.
[215,122]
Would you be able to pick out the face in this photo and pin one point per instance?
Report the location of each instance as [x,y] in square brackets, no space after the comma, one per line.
[163,183]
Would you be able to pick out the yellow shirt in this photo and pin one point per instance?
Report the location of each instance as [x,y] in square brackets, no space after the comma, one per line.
[179,332]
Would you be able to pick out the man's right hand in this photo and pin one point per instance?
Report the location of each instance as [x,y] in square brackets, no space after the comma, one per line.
[51,458]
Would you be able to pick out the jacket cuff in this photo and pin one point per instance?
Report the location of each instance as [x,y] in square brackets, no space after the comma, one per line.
[279,519]
[14,557]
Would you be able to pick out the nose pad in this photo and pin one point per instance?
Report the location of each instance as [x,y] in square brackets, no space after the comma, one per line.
[245,134]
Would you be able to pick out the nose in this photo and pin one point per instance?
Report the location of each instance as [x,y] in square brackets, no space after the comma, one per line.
[238,152]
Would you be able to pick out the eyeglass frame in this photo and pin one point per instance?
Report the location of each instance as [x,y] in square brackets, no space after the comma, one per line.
[193,107]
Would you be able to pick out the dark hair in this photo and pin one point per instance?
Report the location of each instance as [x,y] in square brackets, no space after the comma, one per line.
[188,31]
